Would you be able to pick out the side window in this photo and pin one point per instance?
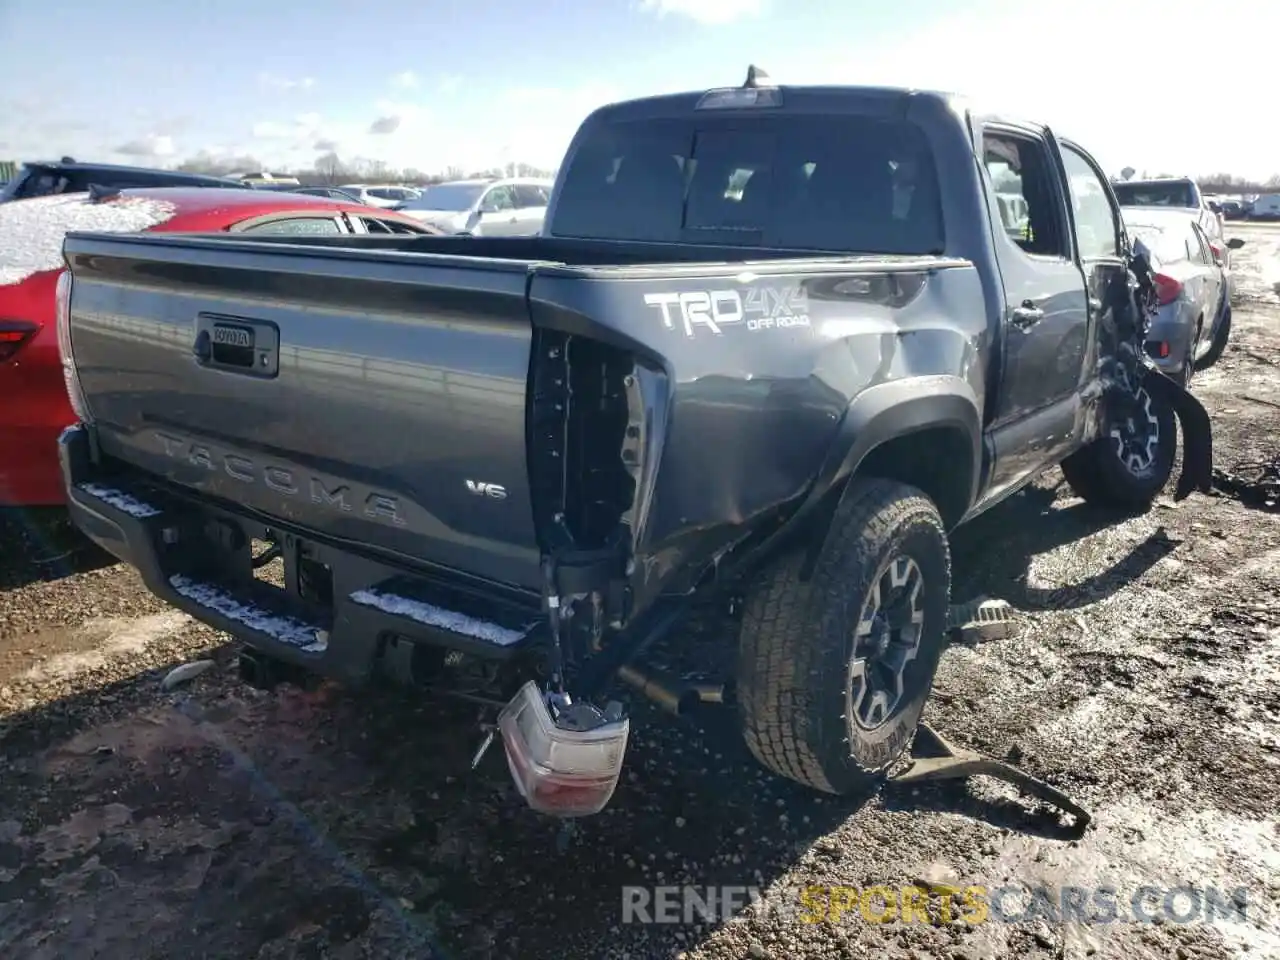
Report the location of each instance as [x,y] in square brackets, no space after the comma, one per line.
[1097,231]
[1022,178]
[530,195]
[374,225]
[298,226]
[41,183]
[381,193]
[499,198]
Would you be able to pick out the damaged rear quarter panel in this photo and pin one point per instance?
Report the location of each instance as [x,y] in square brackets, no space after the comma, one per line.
[759,368]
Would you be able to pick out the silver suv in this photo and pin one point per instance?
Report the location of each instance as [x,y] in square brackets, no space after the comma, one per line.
[506,207]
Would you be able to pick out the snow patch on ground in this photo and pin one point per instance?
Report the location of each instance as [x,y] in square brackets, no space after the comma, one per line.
[32,231]
[434,616]
[1136,842]
[1255,273]
[106,639]
[304,636]
[120,500]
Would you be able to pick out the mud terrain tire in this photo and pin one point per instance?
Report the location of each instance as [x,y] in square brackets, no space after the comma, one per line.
[798,654]
[1100,475]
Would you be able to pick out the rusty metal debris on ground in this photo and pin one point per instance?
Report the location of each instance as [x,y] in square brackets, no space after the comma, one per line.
[1261,490]
[945,761]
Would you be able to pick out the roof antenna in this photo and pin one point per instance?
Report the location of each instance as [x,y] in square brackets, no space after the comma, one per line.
[757,78]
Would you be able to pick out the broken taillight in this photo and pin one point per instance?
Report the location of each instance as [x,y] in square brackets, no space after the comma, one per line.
[62,299]
[1167,288]
[14,335]
[560,770]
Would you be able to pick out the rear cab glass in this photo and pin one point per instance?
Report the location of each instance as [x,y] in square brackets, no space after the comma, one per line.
[1173,193]
[839,183]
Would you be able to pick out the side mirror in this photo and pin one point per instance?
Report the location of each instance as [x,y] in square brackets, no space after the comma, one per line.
[1235,243]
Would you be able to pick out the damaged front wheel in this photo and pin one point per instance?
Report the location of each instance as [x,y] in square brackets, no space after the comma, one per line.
[1131,462]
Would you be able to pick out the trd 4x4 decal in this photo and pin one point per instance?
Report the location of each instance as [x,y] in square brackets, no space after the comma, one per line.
[760,308]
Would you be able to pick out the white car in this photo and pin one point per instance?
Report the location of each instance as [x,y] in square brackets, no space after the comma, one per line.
[1179,193]
[1266,207]
[506,207]
[379,195]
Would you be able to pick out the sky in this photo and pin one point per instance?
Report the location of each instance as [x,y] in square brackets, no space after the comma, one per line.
[1162,87]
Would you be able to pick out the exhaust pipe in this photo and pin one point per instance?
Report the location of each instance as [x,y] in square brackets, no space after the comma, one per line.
[266,673]
[255,670]
[671,694]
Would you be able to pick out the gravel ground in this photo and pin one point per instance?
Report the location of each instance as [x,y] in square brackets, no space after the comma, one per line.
[218,821]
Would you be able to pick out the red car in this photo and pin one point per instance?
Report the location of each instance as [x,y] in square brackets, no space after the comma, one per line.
[34,407]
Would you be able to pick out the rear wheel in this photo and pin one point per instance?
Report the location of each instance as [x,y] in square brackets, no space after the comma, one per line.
[833,673]
[1218,345]
[1129,465]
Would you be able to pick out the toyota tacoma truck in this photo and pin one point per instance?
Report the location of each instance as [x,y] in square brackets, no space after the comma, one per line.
[772,345]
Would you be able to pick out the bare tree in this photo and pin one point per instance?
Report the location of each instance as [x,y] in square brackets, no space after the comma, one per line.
[330,169]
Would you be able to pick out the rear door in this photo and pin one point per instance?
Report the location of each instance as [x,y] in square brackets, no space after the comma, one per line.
[499,215]
[1045,337]
[531,208]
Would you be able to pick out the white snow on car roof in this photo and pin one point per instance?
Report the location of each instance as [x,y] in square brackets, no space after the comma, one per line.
[32,231]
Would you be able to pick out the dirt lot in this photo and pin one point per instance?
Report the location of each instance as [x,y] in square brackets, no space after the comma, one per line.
[216,821]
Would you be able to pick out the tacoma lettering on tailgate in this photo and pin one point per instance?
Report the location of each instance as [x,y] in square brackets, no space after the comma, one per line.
[281,479]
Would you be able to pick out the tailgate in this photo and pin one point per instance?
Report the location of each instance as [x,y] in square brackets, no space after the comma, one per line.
[374,397]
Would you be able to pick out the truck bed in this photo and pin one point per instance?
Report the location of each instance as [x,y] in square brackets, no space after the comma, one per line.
[469,406]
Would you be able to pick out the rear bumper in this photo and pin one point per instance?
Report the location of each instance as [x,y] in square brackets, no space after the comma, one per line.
[1171,328]
[373,605]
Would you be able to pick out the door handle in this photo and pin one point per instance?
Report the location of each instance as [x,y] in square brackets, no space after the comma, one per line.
[1095,305]
[1027,315]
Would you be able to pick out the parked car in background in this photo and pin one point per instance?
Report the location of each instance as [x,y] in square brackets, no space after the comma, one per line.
[506,207]
[1193,323]
[1233,209]
[1177,193]
[1266,207]
[267,179]
[333,193]
[380,195]
[42,178]
[34,395]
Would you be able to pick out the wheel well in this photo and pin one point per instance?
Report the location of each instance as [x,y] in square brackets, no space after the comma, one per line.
[937,460]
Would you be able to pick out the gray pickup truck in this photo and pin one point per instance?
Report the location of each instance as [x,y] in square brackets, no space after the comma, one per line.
[773,344]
